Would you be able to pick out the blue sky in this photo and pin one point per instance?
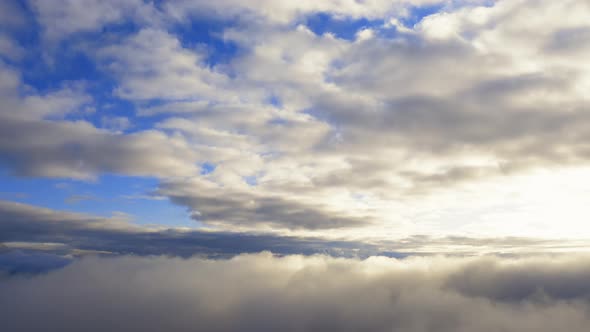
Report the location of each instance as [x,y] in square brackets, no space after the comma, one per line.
[105,196]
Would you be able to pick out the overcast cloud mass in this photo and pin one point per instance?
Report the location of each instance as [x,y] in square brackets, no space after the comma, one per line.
[296,293]
[404,165]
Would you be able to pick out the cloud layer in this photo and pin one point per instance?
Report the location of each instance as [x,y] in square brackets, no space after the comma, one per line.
[294,293]
[34,230]
[34,238]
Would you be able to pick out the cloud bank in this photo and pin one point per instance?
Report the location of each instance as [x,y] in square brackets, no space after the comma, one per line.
[294,293]
[34,239]
[32,231]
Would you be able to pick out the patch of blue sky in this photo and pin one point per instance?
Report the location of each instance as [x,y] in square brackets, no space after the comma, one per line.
[113,106]
[279,122]
[418,13]
[319,114]
[107,195]
[207,168]
[251,180]
[48,64]
[341,27]
[48,67]
[30,190]
[70,65]
[207,34]
[275,101]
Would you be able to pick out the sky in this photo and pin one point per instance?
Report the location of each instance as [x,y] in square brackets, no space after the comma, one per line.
[319,136]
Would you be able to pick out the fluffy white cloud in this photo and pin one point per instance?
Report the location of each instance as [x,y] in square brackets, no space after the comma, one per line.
[10,49]
[285,12]
[59,19]
[36,140]
[153,59]
[398,128]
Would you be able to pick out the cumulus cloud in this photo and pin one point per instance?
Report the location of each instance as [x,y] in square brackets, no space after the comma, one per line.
[11,15]
[311,131]
[50,146]
[78,150]
[408,115]
[60,19]
[153,59]
[214,205]
[295,293]
[288,12]
[9,48]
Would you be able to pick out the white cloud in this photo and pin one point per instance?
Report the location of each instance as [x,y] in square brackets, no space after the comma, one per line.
[9,48]
[62,18]
[115,123]
[153,59]
[285,12]
[35,140]
[398,128]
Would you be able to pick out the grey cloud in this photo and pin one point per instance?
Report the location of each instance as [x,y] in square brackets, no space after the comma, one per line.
[9,48]
[443,95]
[431,98]
[409,65]
[570,40]
[442,98]
[34,226]
[152,59]
[19,262]
[288,12]
[564,279]
[35,140]
[505,89]
[439,127]
[29,228]
[60,19]
[79,150]
[11,14]
[265,293]
[243,208]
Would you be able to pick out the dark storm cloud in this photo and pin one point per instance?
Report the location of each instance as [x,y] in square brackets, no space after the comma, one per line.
[294,293]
